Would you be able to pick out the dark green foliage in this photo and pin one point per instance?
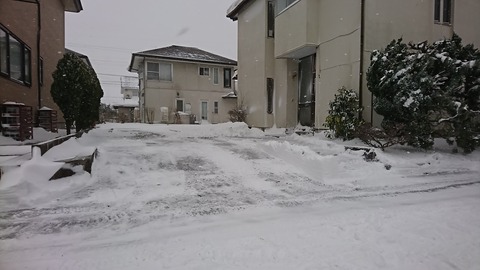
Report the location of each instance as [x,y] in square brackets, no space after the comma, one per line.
[343,118]
[77,92]
[431,90]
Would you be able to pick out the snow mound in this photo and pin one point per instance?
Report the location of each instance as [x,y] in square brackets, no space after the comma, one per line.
[67,150]
[29,185]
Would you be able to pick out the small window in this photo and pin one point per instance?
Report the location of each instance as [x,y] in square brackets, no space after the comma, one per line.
[3,52]
[443,11]
[215,75]
[447,11]
[437,11]
[227,78]
[16,59]
[215,107]
[204,71]
[271,19]
[180,105]
[41,71]
[269,95]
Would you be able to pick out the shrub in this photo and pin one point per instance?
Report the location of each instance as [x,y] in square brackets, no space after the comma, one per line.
[430,90]
[343,116]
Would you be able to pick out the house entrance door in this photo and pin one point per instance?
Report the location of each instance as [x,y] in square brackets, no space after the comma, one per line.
[204,109]
[306,91]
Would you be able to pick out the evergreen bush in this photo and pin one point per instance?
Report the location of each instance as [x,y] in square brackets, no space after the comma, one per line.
[343,116]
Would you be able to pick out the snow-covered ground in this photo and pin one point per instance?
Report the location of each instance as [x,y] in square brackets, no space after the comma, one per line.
[228,197]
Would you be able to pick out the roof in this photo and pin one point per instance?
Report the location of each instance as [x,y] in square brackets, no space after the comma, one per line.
[81,56]
[181,53]
[235,8]
[73,5]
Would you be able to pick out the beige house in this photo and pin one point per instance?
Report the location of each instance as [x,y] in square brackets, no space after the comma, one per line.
[293,55]
[184,84]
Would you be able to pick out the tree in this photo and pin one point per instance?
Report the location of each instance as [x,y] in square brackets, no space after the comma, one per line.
[430,90]
[77,92]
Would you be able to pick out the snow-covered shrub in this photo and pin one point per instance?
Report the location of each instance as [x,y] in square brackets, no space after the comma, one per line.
[343,116]
[432,90]
[380,138]
[238,114]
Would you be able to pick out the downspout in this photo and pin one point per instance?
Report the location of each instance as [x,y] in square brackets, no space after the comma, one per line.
[39,30]
[144,91]
[362,49]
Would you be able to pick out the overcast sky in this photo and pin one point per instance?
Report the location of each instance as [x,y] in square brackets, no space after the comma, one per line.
[109,31]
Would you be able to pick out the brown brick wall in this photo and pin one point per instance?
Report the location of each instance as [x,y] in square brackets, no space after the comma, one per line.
[20,19]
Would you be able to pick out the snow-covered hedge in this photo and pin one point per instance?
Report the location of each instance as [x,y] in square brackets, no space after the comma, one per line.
[432,90]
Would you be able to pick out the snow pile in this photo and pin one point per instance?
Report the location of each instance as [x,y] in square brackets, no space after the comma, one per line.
[68,150]
[29,185]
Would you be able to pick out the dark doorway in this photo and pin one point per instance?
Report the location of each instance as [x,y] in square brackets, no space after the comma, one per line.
[306,91]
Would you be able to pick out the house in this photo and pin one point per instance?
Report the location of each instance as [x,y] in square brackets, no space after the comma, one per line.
[296,54]
[32,40]
[185,82]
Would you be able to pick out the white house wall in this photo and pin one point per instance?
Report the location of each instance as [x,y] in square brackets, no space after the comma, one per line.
[188,85]
[252,55]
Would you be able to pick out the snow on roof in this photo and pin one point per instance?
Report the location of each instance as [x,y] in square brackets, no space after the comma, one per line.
[13,103]
[187,53]
[45,109]
[230,95]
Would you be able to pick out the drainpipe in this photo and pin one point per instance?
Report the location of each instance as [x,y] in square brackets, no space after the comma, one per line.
[362,49]
[39,30]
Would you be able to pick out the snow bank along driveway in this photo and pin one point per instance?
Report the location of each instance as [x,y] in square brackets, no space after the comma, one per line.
[227,197]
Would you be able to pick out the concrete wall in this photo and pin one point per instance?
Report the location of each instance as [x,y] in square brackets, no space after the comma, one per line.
[188,85]
[20,18]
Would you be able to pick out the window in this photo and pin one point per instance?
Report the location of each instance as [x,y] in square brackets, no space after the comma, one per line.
[281,5]
[159,71]
[215,107]
[445,16]
[269,95]
[215,75]
[15,58]
[180,105]
[227,78]
[437,11]
[3,52]
[447,11]
[271,19]
[41,71]
[204,71]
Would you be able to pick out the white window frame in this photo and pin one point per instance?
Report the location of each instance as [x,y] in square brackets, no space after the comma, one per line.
[201,71]
[215,107]
[159,73]
[215,76]
[183,104]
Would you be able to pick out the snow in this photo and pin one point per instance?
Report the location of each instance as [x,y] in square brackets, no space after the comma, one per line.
[228,197]
[68,150]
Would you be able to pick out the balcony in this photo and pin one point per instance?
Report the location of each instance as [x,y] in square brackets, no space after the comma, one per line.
[296,30]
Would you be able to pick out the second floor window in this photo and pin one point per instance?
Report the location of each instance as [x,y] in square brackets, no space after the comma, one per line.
[204,71]
[15,58]
[159,71]
[215,75]
[271,19]
[281,5]
[227,78]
